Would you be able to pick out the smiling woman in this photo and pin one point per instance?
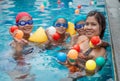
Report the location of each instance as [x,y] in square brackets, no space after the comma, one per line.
[95,24]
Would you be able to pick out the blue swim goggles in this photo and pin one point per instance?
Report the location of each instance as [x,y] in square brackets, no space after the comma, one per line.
[23,23]
[65,25]
[78,26]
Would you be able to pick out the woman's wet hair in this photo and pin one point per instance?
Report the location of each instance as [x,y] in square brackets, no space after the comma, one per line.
[100,19]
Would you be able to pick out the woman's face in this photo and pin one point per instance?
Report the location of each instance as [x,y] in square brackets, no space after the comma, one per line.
[80,30]
[27,28]
[92,27]
[61,29]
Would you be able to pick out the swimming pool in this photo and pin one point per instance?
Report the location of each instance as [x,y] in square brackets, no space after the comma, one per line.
[43,63]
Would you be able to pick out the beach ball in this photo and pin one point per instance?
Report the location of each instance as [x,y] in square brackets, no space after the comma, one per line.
[58,1]
[91,2]
[62,57]
[62,5]
[51,30]
[95,40]
[72,54]
[72,60]
[90,65]
[77,11]
[45,3]
[79,6]
[91,45]
[13,28]
[100,61]
[76,47]
[70,4]
[56,36]
[18,34]
[42,7]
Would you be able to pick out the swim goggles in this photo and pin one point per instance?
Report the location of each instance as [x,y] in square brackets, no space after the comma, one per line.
[61,24]
[78,26]
[23,23]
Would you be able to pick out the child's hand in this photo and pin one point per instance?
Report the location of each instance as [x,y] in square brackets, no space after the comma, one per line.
[22,41]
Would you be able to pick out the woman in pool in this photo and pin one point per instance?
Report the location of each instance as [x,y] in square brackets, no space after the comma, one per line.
[60,24]
[94,26]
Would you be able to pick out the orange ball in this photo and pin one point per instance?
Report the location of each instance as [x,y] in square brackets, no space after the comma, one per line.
[18,34]
[72,54]
[77,11]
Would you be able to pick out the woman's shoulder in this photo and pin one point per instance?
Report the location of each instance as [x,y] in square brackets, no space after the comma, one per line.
[98,52]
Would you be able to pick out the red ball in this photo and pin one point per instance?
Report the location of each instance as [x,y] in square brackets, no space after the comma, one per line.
[13,28]
[79,6]
[95,40]
[58,2]
[76,47]
[56,36]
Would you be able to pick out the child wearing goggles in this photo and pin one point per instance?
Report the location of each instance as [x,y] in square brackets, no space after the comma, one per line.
[24,23]
[60,24]
[79,27]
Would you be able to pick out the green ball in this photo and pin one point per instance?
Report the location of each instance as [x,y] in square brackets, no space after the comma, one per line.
[100,61]
[45,3]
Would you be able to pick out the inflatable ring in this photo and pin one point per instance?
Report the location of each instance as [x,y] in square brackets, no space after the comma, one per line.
[39,36]
[71,29]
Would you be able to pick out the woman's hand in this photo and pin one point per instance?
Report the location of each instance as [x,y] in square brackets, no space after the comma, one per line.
[81,56]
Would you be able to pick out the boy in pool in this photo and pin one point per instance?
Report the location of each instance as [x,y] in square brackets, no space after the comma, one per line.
[60,24]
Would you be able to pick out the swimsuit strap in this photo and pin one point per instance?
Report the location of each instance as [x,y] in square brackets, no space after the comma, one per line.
[88,51]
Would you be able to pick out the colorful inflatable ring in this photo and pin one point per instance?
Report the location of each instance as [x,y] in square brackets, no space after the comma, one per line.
[39,36]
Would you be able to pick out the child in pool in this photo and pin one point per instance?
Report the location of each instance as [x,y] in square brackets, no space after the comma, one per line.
[61,24]
[25,24]
[79,27]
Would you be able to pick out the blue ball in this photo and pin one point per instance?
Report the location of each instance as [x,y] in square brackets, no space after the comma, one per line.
[62,57]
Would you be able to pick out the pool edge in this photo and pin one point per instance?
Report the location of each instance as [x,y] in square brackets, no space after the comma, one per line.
[114,23]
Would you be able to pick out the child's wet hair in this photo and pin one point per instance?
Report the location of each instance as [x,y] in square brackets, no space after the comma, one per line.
[60,16]
[100,19]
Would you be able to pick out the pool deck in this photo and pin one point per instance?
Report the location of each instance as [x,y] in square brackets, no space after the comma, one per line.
[113,9]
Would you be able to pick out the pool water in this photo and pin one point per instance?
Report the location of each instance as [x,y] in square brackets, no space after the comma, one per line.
[43,65]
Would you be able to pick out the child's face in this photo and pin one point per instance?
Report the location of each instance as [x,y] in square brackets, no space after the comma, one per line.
[61,28]
[80,28]
[92,27]
[27,26]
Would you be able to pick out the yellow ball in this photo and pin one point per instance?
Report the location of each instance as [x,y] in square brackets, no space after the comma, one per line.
[90,65]
[91,45]
[72,54]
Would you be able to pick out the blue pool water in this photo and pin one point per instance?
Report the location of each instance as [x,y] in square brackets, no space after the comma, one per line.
[43,65]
